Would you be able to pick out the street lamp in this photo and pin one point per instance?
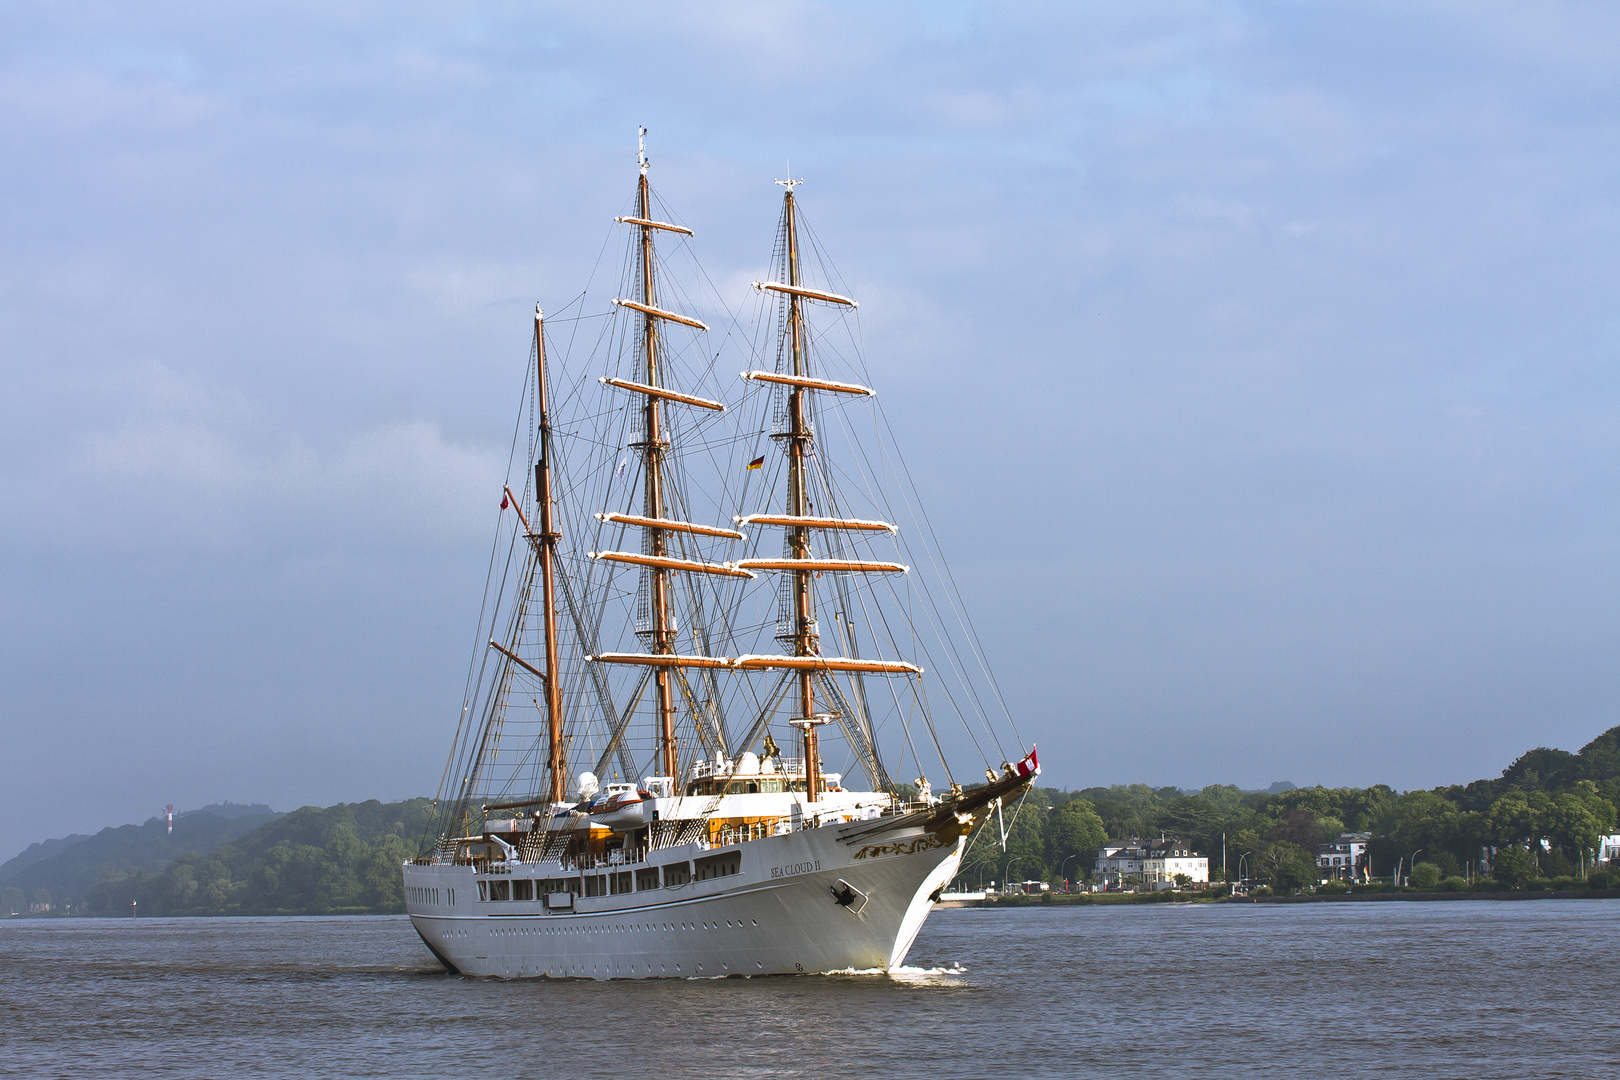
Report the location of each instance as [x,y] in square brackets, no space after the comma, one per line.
[1243,878]
[1410,863]
[1063,864]
[1007,873]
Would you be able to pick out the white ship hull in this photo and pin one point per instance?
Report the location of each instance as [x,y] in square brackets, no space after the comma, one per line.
[779,914]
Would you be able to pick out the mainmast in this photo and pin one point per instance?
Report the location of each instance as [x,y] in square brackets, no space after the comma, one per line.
[661,533]
[663,634]
[805,635]
[547,544]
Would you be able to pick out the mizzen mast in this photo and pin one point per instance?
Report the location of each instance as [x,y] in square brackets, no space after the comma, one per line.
[547,540]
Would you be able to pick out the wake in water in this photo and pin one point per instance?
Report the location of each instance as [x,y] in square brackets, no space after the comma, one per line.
[911,976]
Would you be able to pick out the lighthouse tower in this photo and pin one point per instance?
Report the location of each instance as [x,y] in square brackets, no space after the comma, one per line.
[169,817]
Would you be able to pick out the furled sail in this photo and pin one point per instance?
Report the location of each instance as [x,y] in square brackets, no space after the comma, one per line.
[660,313]
[669,562]
[661,392]
[808,294]
[825,663]
[649,223]
[661,660]
[796,522]
[820,565]
[809,383]
[672,525]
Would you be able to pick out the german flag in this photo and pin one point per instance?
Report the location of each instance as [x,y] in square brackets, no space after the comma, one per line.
[757,463]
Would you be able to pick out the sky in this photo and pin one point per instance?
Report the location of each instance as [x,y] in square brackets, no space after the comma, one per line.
[1258,362]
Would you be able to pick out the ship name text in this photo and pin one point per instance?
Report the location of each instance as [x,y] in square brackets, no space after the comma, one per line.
[796,868]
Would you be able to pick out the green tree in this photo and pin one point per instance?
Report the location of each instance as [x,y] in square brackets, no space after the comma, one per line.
[1288,868]
[1301,828]
[381,884]
[1600,758]
[1425,875]
[1540,769]
[1421,821]
[1578,819]
[1513,866]
[1515,818]
[1075,833]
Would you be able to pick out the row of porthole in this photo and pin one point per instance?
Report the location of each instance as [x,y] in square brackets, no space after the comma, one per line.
[525,931]
[661,967]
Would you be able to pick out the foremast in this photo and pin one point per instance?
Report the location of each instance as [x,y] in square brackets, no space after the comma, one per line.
[806,637]
[801,521]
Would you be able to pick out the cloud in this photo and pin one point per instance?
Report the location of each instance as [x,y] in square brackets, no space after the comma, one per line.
[1258,362]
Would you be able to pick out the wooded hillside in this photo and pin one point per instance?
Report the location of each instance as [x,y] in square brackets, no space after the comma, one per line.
[1567,799]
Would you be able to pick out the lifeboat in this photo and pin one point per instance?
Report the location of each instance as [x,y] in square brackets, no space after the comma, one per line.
[621,806]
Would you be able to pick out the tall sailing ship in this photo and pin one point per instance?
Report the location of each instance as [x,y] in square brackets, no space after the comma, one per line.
[688,570]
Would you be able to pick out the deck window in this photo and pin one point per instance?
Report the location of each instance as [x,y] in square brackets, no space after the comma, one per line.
[728,862]
[596,885]
[677,873]
[500,890]
[619,883]
[647,879]
[522,890]
[483,890]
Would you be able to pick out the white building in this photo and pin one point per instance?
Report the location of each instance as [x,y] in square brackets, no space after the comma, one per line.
[1149,862]
[1344,858]
[1608,848]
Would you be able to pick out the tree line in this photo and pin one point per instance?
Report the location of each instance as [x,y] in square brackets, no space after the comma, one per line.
[1542,818]
[336,860]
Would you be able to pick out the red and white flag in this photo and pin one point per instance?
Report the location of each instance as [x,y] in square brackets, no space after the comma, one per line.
[1031,765]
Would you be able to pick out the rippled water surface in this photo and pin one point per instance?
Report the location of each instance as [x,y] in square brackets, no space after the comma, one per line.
[1472,989]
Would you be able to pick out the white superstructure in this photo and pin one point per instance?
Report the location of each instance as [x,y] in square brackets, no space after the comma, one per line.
[812,899]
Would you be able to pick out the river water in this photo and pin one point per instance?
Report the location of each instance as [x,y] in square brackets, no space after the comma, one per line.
[1467,989]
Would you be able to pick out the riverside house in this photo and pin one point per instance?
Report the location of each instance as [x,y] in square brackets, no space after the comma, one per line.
[1149,862]
[1344,858]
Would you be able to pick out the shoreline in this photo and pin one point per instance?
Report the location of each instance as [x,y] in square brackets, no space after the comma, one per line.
[1106,900]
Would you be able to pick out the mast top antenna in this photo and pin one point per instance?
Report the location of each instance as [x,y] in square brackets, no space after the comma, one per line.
[641,150]
[790,183]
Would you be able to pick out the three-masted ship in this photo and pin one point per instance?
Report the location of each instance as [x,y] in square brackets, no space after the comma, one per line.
[686,573]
